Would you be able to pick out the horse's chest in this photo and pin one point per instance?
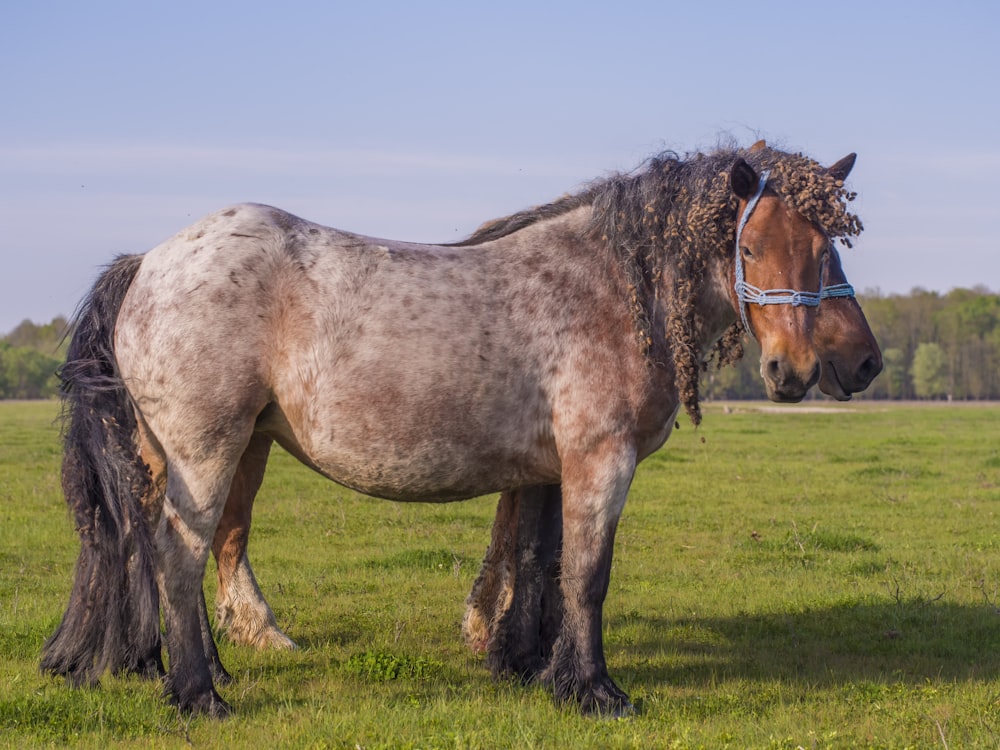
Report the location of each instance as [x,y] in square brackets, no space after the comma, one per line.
[656,433]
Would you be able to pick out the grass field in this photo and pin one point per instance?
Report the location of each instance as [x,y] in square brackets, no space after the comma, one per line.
[782,579]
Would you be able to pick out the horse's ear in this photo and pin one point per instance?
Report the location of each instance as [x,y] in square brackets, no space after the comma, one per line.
[743,180]
[758,146]
[842,168]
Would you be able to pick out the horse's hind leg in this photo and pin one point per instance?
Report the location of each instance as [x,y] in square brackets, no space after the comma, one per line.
[192,506]
[253,613]
[215,666]
[152,504]
[241,612]
[240,608]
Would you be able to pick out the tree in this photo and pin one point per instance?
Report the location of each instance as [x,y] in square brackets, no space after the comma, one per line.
[27,373]
[893,377]
[930,371]
[48,339]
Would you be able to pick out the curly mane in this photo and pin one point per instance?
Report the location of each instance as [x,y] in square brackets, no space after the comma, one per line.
[681,211]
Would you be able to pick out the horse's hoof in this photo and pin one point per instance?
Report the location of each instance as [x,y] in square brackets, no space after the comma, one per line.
[606,702]
[475,630]
[220,676]
[276,639]
[211,706]
[150,668]
[261,638]
[614,710]
[208,704]
[522,668]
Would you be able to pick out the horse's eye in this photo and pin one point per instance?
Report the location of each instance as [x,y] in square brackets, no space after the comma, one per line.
[747,255]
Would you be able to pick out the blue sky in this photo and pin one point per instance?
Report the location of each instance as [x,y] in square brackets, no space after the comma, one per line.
[123,122]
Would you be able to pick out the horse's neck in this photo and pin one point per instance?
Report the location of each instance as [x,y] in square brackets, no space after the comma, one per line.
[714,307]
[718,305]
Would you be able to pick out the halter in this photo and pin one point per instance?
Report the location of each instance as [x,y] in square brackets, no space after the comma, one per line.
[749,294]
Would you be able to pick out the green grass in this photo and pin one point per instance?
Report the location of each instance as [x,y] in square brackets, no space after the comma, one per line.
[781,580]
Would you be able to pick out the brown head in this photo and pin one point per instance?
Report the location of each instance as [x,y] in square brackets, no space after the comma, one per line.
[779,260]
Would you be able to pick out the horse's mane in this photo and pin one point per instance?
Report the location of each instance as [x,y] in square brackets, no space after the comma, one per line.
[681,211]
[497,228]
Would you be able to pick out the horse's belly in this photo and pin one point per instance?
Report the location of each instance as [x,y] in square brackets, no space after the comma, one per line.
[421,481]
[433,471]
[440,446]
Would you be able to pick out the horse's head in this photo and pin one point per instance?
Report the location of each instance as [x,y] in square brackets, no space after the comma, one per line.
[848,353]
[779,257]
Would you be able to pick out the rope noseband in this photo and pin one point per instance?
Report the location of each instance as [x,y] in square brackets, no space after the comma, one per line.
[749,294]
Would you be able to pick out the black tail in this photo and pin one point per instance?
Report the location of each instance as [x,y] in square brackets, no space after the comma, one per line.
[112,621]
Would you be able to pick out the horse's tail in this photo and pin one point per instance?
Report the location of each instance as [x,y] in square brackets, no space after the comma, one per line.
[112,620]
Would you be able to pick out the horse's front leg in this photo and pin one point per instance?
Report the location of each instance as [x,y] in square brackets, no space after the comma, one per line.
[594,490]
[516,645]
[492,594]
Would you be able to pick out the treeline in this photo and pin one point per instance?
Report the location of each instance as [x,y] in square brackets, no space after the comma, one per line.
[29,357]
[934,346]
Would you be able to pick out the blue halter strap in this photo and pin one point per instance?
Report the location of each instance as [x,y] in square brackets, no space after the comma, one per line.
[749,294]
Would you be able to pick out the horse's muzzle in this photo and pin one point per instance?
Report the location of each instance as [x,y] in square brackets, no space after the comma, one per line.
[841,381]
[786,383]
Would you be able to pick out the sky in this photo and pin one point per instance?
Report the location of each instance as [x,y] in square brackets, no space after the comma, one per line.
[123,122]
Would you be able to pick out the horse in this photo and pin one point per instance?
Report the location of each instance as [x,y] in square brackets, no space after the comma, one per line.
[566,337]
[850,360]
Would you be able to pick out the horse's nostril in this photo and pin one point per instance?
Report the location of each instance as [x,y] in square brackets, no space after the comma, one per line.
[782,375]
[774,370]
[869,369]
